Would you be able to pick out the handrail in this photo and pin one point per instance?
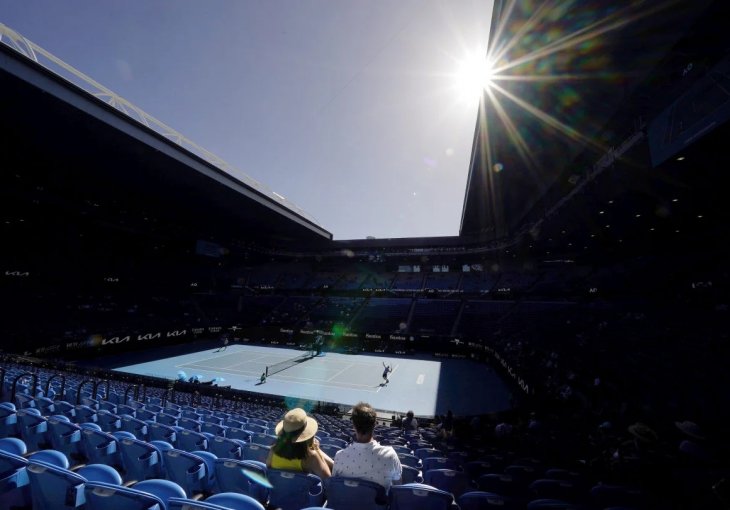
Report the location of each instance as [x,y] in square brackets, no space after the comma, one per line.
[63,384]
[15,384]
[126,392]
[81,385]
[96,387]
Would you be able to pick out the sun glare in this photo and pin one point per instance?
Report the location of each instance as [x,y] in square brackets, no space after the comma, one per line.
[472,77]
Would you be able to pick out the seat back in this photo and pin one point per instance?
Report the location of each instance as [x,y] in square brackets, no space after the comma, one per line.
[233,501]
[225,448]
[33,428]
[479,500]
[55,488]
[163,489]
[190,441]
[106,496]
[14,484]
[99,447]
[231,476]
[293,490]
[64,436]
[140,460]
[449,480]
[187,470]
[420,496]
[411,475]
[255,452]
[439,463]
[355,494]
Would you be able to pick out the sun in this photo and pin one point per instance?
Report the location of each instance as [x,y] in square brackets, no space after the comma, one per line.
[473,75]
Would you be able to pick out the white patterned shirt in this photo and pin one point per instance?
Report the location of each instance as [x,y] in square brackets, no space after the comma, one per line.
[369,461]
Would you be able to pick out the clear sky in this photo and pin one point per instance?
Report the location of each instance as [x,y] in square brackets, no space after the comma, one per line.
[352,109]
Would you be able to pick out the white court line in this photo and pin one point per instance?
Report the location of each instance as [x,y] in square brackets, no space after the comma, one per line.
[338,373]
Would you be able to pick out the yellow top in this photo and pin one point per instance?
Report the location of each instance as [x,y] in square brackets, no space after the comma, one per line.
[279,462]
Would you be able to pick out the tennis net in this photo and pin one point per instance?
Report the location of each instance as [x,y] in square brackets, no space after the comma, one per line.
[283,365]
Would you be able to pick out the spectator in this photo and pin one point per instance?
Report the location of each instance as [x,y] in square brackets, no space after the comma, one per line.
[296,448]
[366,458]
[410,422]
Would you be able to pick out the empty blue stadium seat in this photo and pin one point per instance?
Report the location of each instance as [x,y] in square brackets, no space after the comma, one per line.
[187,470]
[233,501]
[225,448]
[163,489]
[449,480]
[230,477]
[140,460]
[106,496]
[293,490]
[355,494]
[419,496]
[54,487]
[14,483]
[479,500]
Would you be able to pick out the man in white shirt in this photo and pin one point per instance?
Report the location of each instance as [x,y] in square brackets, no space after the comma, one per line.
[366,458]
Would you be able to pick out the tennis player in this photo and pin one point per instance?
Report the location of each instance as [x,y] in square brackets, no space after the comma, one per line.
[387,369]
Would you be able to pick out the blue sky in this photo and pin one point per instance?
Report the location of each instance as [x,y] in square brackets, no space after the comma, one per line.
[350,109]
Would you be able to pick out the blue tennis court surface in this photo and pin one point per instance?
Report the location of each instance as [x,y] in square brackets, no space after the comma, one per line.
[426,386]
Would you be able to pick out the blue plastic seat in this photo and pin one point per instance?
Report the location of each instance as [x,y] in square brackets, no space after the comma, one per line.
[14,483]
[411,475]
[133,425]
[210,485]
[500,484]
[449,480]
[255,452]
[430,463]
[424,453]
[160,432]
[564,490]
[8,420]
[355,494]
[230,477]
[420,496]
[225,448]
[13,445]
[106,496]
[233,501]
[100,473]
[84,413]
[410,460]
[190,423]
[214,429]
[163,489]
[99,447]
[167,419]
[54,487]
[263,439]
[52,457]
[190,441]
[334,441]
[187,470]
[33,428]
[140,460]
[293,490]
[64,436]
[479,500]
[240,434]
[108,421]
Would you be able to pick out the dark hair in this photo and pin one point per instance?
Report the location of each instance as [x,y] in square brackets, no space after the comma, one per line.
[409,414]
[285,447]
[363,418]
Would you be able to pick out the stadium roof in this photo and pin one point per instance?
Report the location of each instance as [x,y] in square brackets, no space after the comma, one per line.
[95,139]
[572,82]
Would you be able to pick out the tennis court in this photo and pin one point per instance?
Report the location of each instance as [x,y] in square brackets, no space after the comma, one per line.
[426,386]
